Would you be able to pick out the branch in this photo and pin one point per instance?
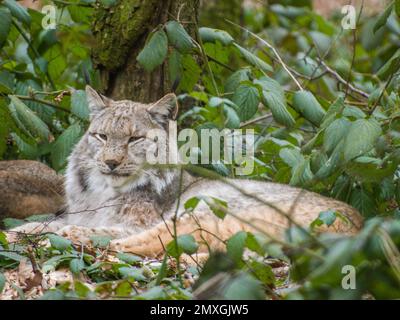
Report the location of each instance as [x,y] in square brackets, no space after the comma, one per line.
[273,50]
[343,81]
[48,103]
[381,95]
[263,117]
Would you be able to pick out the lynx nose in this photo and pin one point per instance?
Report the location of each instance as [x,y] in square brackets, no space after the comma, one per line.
[112,164]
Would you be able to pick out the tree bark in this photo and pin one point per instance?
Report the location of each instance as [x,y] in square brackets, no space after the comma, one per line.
[120,33]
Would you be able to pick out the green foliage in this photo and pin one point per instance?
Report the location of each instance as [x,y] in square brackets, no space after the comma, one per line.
[155,51]
[43,117]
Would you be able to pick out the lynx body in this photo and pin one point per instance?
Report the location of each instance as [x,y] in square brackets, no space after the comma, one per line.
[110,189]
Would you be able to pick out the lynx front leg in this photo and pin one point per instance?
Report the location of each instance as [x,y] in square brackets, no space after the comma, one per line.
[206,228]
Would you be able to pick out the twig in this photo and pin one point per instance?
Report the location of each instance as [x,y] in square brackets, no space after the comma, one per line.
[48,103]
[263,117]
[273,50]
[381,95]
[341,80]
[220,63]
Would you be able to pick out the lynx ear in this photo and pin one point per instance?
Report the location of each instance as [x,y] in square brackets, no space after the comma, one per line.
[96,101]
[164,109]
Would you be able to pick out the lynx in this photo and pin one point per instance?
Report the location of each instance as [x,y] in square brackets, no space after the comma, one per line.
[110,190]
[29,187]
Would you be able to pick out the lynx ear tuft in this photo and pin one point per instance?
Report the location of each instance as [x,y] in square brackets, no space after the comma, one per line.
[164,109]
[96,101]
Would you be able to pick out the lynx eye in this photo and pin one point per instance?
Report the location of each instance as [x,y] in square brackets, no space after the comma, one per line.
[99,136]
[134,139]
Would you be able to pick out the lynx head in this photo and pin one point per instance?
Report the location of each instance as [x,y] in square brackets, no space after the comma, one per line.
[118,136]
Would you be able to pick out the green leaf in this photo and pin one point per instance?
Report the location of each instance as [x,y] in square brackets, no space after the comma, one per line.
[79,105]
[22,114]
[363,202]
[2,282]
[308,106]
[383,18]
[262,272]
[244,287]
[330,166]
[155,293]
[368,169]
[291,156]
[213,35]
[333,111]
[235,79]
[301,173]
[188,243]
[12,256]
[6,82]
[175,66]
[162,273]
[128,258]
[55,261]
[253,59]
[335,132]
[253,243]
[232,118]
[76,265]
[131,272]
[58,242]
[178,37]
[123,289]
[10,223]
[325,217]
[191,73]
[108,3]
[18,11]
[81,289]
[53,294]
[80,14]
[40,217]
[361,138]
[246,97]
[154,52]
[192,203]
[274,98]
[63,145]
[5,25]
[57,63]
[321,40]
[100,241]
[353,112]
[184,244]
[3,240]
[397,7]
[28,150]
[235,246]
[390,67]
[217,206]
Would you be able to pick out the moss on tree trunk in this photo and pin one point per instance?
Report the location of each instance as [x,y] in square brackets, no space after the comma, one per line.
[120,33]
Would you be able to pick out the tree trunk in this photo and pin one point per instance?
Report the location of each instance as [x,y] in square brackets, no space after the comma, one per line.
[120,33]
